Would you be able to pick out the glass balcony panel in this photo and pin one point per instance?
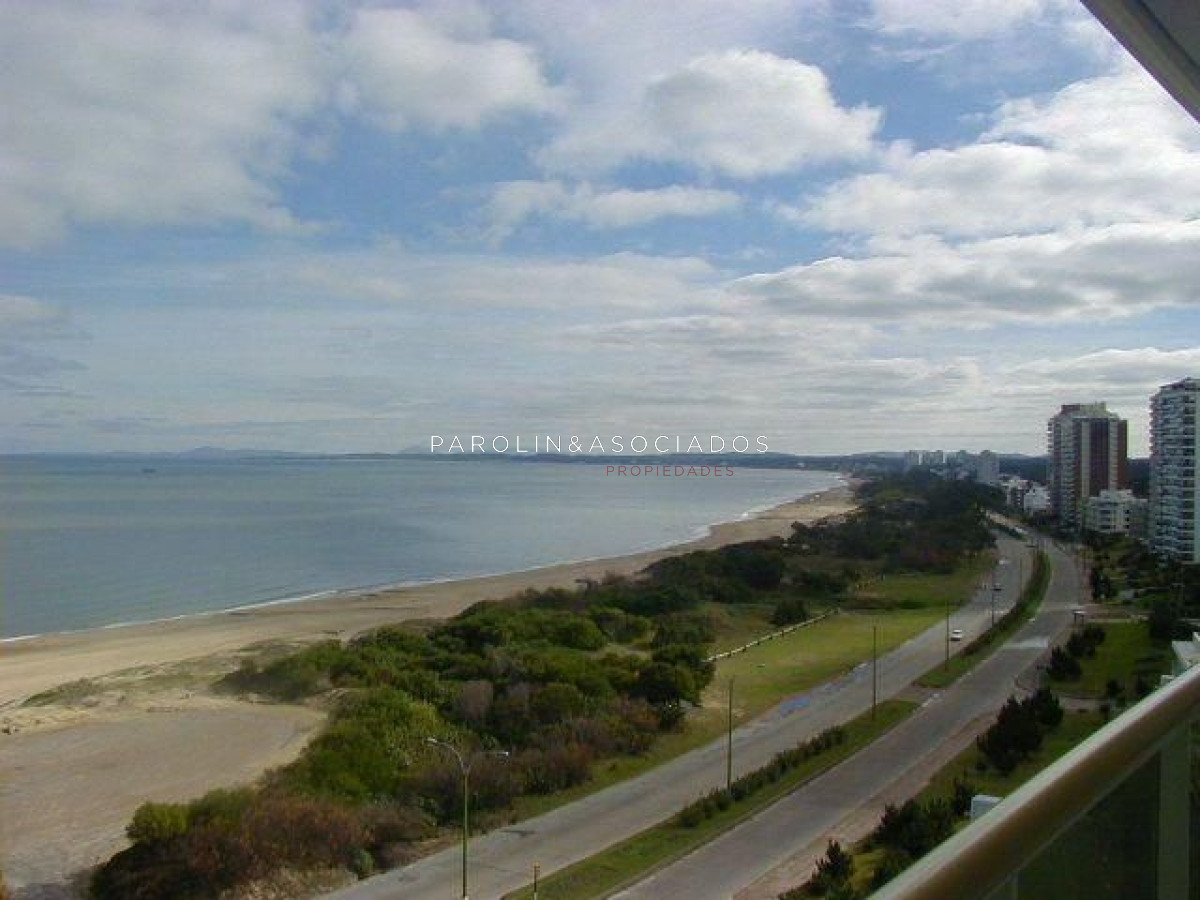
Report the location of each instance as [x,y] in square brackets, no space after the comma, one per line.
[1109,854]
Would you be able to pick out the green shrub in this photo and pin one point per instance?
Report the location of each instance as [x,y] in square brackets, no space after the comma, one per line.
[789,611]
[156,822]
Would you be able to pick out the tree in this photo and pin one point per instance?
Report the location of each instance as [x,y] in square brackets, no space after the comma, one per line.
[663,683]
[1063,666]
[834,870]
[558,703]
[1164,621]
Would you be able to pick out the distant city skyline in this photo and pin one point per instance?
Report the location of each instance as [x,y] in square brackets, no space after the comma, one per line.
[849,227]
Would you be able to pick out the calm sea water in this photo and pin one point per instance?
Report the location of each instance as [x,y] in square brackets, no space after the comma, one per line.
[98,541]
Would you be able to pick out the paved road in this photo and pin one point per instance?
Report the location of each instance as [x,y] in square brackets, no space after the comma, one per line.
[720,869]
[503,860]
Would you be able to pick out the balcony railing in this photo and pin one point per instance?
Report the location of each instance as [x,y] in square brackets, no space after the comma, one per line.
[1111,819]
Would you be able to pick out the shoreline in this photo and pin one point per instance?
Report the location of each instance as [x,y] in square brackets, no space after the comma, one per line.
[698,533]
[35,663]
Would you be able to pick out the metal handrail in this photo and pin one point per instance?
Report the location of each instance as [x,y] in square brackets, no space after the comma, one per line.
[987,853]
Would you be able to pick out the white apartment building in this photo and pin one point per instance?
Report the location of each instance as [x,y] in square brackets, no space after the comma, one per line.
[1036,500]
[1115,512]
[1174,436]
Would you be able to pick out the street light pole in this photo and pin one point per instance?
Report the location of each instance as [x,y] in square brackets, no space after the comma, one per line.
[874,669]
[946,664]
[729,742]
[464,766]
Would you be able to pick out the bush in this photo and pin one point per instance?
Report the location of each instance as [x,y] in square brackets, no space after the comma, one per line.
[758,564]
[366,752]
[293,677]
[217,853]
[156,822]
[557,702]
[554,768]
[1063,666]
[633,726]
[395,823]
[619,625]
[662,683]
[1082,644]
[789,611]
[684,628]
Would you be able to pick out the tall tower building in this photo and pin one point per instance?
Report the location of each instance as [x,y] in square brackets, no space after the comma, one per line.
[1089,453]
[1174,436]
[987,468]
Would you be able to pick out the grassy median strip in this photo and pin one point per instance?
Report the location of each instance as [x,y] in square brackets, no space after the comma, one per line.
[981,648]
[639,856]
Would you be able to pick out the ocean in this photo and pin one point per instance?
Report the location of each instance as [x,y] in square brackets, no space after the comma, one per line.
[98,541]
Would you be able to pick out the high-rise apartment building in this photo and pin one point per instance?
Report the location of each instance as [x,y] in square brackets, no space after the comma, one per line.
[1089,453]
[1174,436]
[987,468]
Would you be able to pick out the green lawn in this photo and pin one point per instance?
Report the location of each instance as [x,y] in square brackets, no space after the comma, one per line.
[799,661]
[771,672]
[1127,652]
[763,676]
[635,858]
[926,591]
[738,624]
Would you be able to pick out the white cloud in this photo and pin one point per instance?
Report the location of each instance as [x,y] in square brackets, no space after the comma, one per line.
[184,114]
[955,19]
[112,115]
[741,113]
[1068,159]
[515,202]
[574,287]
[1105,273]
[1138,371]
[413,68]
[1125,378]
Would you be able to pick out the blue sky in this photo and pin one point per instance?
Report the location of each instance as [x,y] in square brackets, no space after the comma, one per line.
[345,227]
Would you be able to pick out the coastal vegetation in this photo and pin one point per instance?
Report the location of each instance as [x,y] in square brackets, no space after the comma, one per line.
[557,680]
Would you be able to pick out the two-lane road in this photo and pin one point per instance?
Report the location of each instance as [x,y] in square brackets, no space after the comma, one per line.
[722,868]
[503,860]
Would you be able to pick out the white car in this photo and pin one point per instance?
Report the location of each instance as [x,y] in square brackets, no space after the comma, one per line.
[956,634]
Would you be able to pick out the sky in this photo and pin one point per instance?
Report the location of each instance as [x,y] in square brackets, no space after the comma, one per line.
[845,225]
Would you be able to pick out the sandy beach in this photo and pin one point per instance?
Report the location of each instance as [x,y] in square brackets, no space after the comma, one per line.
[30,666]
[137,722]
